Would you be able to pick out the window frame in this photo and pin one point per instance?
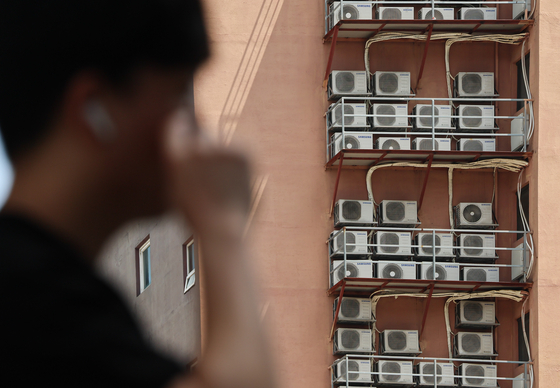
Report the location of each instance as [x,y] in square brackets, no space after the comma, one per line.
[189,274]
[144,246]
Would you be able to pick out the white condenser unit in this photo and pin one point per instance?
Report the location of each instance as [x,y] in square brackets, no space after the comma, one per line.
[422,117]
[396,270]
[518,10]
[519,256]
[354,269]
[443,245]
[474,344]
[473,215]
[476,118]
[475,84]
[521,381]
[476,145]
[352,371]
[468,13]
[390,116]
[444,271]
[477,246]
[518,126]
[398,213]
[392,143]
[475,313]
[356,243]
[399,342]
[352,10]
[389,243]
[426,144]
[442,373]
[349,212]
[347,83]
[391,83]
[478,375]
[390,372]
[351,141]
[353,310]
[481,274]
[395,13]
[352,341]
[354,116]
[438,14]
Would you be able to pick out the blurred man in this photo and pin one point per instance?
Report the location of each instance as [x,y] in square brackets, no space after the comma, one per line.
[93,116]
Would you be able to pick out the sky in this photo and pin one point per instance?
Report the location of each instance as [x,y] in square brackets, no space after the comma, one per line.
[6,175]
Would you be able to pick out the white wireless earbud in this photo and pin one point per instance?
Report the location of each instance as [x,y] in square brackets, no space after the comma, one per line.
[98,118]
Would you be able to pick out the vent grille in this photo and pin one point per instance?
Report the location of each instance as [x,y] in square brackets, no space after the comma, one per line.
[350,339]
[441,273]
[427,111]
[350,12]
[386,110]
[388,83]
[474,371]
[392,271]
[391,144]
[345,82]
[348,110]
[471,83]
[350,239]
[476,275]
[350,143]
[352,367]
[472,213]
[438,15]
[396,340]
[351,210]
[471,343]
[390,239]
[395,211]
[473,122]
[351,271]
[473,311]
[426,144]
[472,145]
[428,373]
[474,14]
[427,242]
[471,243]
[391,367]
[350,308]
[391,14]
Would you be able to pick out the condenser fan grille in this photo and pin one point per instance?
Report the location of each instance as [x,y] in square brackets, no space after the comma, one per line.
[386,110]
[391,14]
[438,15]
[471,83]
[350,12]
[389,243]
[392,271]
[471,343]
[476,275]
[348,110]
[350,308]
[441,273]
[428,373]
[473,145]
[394,211]
[391,367]
[352,367]
[391,144]
[351,210]
[427,111]
[388,83]
[427,242]
[350,239]
[473,311]
[476,116]
[470,245]
[472,213]
[426,144]
[396,340]
[350,143]
[345,82]
[474,14]
[474,371]
[350,339]
[351,271]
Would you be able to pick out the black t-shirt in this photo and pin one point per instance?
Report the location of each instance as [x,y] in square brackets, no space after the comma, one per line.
[61,324]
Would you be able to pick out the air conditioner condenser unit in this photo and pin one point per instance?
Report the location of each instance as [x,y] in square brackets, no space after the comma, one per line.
[486,13]
[519,258]
[476,118]
[443,245]
[353,310]
[390,372]
[443,271]
[474,344]
[521,381]
[349,212]
[474,215]
[353,10]
[398,213]
[478,375]
[347,83]
[422,117]
[429,374]
[438,14]
[352,341]
[477,145]
[389,243]
[392,143]
[354,269]
[518,132]
[389,116]
[399,342]
[354,116]
[350,141]
[476,246]
[391,83]
[396,270]
[475,84]
[518,10]
[356,243]
[426,144]
[352,371]
[481,274]
[475,314]
[395,13]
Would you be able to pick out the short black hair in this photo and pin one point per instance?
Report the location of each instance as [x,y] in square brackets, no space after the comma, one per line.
[44,43]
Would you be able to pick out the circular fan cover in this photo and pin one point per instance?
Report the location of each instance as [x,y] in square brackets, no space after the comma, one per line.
[474,14]
[350,339]
[439,15]
[470,245]
[396,340]
[348,110]
[386,110]
[391,144]
[473,311]
[472,371]
[474,121]
[350,308]
[426,144]
[471,343]
[427,111]
[392,14]
[388,83]
[428,373]
[472,213]
[350,239]
[471,83]
[394,211]
[352,367]
[350,12]
[386,240]
[392,271]
[427,243]
[472,145]
[351,271]
[441,273]
[391,367]
[351,210]
[350,143]
[476,275]
[345,81]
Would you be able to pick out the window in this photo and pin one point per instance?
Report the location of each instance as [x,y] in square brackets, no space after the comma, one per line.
[143,266]
[189,259]
[525,206]
[522,348]
[521,90]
